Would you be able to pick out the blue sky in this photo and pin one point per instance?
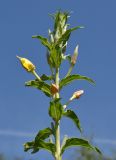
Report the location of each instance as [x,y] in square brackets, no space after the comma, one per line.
[23,111]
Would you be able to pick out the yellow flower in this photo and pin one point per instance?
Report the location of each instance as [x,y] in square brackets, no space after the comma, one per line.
[76,95]
[28,65]
[54,89]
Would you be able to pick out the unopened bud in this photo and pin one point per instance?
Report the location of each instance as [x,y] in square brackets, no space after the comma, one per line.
[74,56]
[77,95]
[28,65]
[54,89]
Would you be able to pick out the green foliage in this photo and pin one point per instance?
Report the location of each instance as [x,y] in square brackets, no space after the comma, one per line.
[39,142]
[71,142]
[44,41]
[65,37]
[41,85]
[43,134]
[56,110]
[71,114]
[67,80]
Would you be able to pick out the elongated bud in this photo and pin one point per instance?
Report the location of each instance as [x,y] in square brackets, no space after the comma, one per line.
[75,55]
[54,89]
[77,94]
[27,64]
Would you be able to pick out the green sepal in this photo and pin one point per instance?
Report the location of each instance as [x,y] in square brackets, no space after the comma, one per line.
[72,142]
[56,110]
[71,114]
[41,85]
[67,80]
[43,40]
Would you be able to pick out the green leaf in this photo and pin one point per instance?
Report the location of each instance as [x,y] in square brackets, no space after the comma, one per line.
[55,55]
[44,87]
[70,114]
[44,41]
[38,143]
[56,110]
[28,146]
[43,134]
[67,80]
[35,146]
[64,38]
[44,145]
[45,77]
[71,142]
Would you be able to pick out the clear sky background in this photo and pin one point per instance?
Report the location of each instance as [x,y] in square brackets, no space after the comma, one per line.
[23,111]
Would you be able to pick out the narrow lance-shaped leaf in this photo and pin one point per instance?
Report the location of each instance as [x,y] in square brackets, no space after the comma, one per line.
[44,87]
[43,134]
[44,145]
[44,41]
[70,114]
[72,142]
[67,80]
[35,146]
[56,110]
[64,38]
[38,143]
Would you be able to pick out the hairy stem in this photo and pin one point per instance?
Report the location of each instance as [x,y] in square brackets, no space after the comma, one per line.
[57,133]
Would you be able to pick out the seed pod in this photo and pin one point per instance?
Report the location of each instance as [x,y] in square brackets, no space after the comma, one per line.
[27,64]
[54,89]
[77,94]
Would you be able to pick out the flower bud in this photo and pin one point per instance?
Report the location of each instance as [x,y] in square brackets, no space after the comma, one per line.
[77,95]
[74,56]
[28,65]
[54,89]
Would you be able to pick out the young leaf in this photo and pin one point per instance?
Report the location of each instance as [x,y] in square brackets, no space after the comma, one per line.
[44,41]
[67,80]
[56,110]
[39,85]
[43,134]
[64,38]
[70,114]
[71,142]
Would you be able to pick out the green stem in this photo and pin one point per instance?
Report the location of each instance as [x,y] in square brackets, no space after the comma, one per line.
[69,71]
[36,75]
[57,132]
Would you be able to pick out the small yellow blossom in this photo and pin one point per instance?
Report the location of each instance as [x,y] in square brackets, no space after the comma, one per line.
[28,65]
[77,95]
[54,89]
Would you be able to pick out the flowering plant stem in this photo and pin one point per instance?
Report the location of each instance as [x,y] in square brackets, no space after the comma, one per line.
[56,48]
[57,125]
